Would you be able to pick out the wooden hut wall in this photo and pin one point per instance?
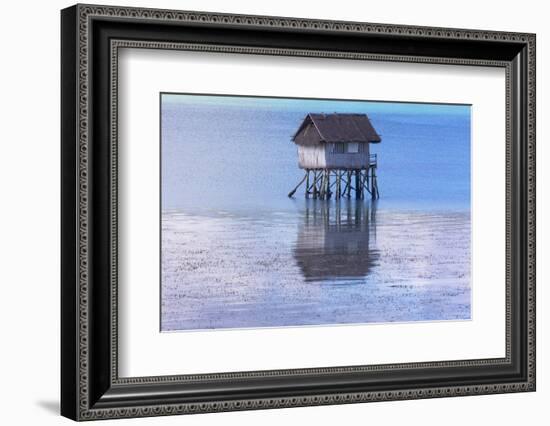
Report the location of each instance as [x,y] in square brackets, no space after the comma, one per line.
[311,156]
[347,160]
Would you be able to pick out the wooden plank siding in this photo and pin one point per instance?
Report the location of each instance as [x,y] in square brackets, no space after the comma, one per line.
[312,156]
[336,160]
[324,156]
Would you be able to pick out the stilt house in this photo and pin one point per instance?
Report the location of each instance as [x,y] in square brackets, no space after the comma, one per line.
[334,148]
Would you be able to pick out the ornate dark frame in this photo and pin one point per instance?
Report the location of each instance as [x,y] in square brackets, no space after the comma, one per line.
[91,37]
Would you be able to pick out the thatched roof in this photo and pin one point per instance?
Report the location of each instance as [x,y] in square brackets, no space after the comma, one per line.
[339,128]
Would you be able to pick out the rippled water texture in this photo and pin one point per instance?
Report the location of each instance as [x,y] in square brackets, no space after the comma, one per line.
[318,266]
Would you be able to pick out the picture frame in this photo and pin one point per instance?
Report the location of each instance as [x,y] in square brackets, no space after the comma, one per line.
[91,37]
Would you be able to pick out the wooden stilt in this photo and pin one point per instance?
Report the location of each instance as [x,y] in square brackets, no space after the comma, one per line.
[344,176]
[357,184]
[372,194]
[338,218]
[324,183]
[315,184]
[375,193]
[366,181]
[363,172]
[291,193]
[329,193]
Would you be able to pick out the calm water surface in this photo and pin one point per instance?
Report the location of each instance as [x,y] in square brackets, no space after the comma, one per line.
[236,252]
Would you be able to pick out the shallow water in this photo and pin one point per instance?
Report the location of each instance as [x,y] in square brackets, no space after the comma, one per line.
[236,252]
[330,263]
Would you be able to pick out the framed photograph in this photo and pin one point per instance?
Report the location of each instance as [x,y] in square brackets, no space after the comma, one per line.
[263,212]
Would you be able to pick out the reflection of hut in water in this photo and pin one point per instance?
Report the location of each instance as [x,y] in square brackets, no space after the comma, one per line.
[334,151]
[334,241]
